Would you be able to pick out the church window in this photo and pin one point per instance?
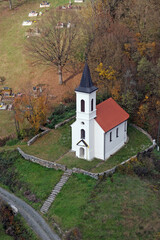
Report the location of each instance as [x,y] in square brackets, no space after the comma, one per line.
[125,126]
[110,137]
[117,132]
[82,106]
[82,133]
[92,104]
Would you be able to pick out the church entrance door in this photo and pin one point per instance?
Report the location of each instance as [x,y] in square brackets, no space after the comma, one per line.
[81,153]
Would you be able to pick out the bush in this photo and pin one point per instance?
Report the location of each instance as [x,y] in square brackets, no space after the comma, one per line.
[8,174]
[61,113]
[143,165]
[12,224]
[73,234]
[12,142]
[3,140]
[27,132]
[101,96]
[125,169]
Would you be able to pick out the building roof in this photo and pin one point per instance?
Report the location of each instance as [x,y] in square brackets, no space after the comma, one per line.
[110,114]
[86,84]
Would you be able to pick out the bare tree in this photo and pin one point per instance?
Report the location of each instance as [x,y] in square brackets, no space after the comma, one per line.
[56,42]
[10,4]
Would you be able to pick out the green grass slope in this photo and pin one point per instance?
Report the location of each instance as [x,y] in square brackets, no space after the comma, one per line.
[124,208]
[20,175]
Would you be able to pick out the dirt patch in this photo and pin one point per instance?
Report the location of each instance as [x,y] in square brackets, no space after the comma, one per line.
[59,92]
[30,196]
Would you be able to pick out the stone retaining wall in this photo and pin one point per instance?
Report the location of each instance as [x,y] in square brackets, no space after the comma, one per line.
[57,166]
[64,122]
[42,162]
[32,140]
[110,171]
[90,174]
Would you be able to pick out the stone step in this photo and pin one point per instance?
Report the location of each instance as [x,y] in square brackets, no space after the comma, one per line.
[55,191]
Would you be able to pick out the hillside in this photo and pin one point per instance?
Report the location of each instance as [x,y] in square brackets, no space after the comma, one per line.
[124,205]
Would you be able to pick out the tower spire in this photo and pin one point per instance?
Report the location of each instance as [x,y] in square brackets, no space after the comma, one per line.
[86,84]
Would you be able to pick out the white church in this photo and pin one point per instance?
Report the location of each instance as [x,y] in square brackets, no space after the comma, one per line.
[99,130]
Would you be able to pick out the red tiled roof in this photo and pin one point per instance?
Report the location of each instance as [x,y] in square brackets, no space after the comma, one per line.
[110,114]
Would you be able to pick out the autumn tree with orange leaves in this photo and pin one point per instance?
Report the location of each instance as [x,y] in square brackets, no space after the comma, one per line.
[32,109]
[123,53]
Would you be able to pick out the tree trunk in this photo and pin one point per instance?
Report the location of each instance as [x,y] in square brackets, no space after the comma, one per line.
[10,4]
[60,75]
[17,126]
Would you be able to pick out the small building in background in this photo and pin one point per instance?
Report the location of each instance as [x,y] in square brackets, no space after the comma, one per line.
[78,1]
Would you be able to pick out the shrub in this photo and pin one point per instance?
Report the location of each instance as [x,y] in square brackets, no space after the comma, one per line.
[9,175]
[61,113]
[73,234]
[143,165]
[101,96]
[12,142]
[3,140]
[126,168]
[27,132]
[12,223]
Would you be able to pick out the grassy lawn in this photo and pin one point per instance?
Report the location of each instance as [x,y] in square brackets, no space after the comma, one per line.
[137,142]
[22,176]
[58,142]
[52,145]
[71,161]
[125,209]
[122,207]
[7,126]
[40,180]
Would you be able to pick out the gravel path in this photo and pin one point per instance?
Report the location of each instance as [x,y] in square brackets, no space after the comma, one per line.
[34,220]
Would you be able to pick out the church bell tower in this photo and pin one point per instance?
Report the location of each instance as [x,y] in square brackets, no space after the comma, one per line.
[83,127]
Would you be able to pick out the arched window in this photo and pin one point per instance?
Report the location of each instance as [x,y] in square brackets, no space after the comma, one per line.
[82,133]
[82,106]
[125,126]
[110,137]
[92,104]
[117,132]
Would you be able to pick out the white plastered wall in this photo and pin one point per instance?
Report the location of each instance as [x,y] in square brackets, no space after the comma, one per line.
[98,141]
[84,120]
[117,142]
